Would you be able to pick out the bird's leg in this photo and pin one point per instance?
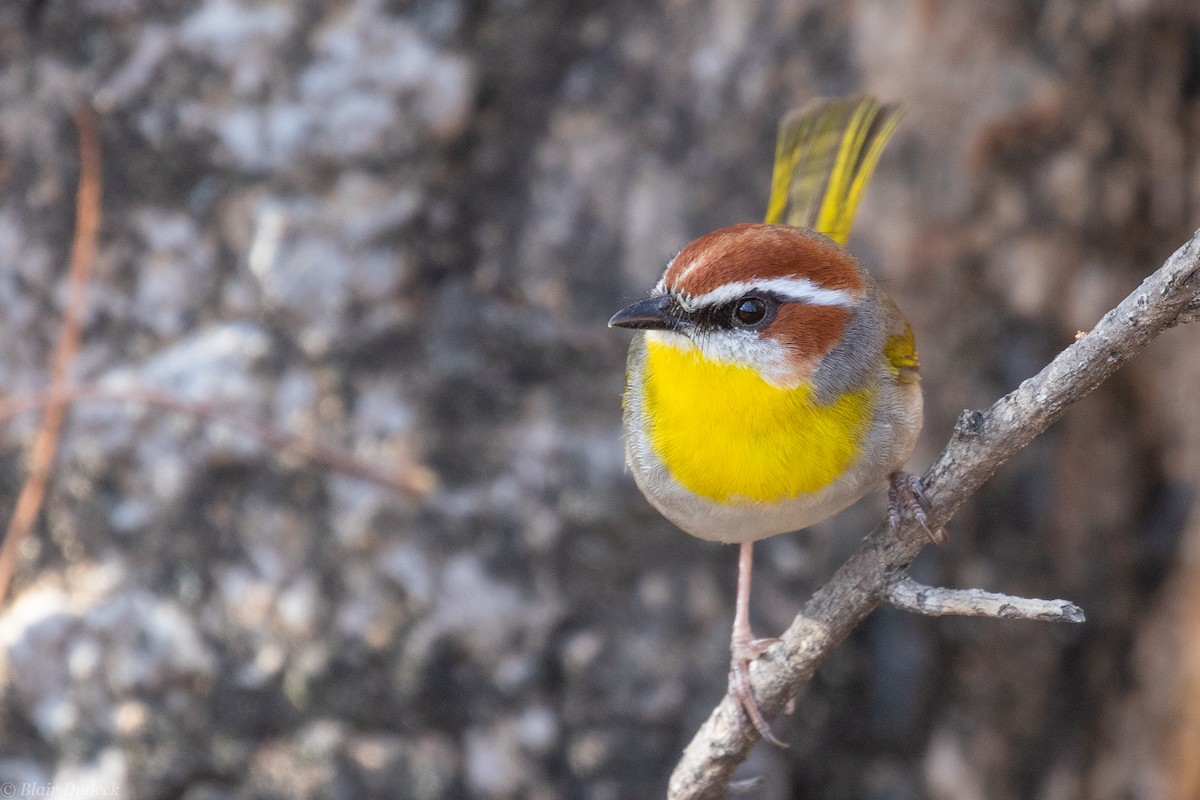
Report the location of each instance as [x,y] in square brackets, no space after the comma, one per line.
[905,491]
[744,648]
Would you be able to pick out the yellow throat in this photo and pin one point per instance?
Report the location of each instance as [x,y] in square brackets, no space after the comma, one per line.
[726,434]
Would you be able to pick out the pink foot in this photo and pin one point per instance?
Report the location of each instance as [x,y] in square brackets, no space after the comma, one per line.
[905,491]
[743,651]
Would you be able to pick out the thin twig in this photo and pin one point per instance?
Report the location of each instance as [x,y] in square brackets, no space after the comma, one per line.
[982,441]
[908,595]
[414,480]
[83,252]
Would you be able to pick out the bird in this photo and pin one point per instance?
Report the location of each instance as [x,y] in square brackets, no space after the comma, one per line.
[771,381]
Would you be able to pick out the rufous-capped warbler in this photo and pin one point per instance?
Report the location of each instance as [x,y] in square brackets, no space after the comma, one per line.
[773,382]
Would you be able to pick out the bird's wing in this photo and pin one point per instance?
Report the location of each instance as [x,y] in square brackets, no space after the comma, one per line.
[900,347]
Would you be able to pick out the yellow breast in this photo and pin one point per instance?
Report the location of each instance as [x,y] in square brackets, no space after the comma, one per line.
[726,434]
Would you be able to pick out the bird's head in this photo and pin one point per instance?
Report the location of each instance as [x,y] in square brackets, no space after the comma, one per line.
[771,297]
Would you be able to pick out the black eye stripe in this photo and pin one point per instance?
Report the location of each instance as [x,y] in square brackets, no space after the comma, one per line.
[720,316]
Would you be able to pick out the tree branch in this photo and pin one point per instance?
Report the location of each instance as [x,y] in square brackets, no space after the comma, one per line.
[982,441]
[908,595]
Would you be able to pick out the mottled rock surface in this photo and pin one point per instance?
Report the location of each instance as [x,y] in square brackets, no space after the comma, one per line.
[398,228]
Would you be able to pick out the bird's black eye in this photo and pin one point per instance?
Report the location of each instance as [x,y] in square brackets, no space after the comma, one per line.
[749,311]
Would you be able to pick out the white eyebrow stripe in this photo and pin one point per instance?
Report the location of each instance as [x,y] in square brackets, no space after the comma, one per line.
[797,290]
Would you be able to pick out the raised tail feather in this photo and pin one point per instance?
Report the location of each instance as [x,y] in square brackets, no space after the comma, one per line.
[824,158]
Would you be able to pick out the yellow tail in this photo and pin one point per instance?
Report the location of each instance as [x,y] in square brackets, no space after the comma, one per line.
[826,153]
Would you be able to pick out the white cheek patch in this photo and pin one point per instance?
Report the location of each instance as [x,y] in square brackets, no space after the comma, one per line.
[795,290]
[771,360]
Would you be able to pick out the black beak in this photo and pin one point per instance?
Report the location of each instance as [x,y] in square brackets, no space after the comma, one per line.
[659,313]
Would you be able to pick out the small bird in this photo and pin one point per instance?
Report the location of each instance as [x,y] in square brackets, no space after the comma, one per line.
[773,382]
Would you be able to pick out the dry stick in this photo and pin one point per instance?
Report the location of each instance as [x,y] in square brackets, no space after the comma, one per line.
[83,251]
[409,480]
[908,595]
[982,441]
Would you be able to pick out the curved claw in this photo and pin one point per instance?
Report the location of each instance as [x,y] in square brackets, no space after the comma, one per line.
[739,686]
[906,491]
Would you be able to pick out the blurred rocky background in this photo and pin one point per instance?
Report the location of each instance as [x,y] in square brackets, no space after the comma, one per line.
[398,228]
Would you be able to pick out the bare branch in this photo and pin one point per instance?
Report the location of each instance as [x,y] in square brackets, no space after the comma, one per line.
[982,441]
[908,595]
[83,254]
